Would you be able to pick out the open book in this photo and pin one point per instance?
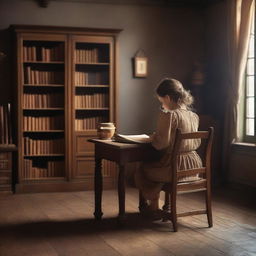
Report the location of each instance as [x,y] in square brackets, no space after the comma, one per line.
[141,138]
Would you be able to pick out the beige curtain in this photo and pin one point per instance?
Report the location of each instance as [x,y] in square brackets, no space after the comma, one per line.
[240,13]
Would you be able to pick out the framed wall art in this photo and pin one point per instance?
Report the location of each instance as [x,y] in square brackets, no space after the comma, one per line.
[140,66]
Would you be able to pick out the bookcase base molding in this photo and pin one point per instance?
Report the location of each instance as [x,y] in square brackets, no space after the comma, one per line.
[66,85]
[64,186]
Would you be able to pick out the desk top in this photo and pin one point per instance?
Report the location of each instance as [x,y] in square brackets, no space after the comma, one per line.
[123,153]
[120,145]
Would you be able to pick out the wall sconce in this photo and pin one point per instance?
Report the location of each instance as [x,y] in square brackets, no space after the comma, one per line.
[140,64]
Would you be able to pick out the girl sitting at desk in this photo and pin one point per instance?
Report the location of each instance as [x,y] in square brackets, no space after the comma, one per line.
[175,113]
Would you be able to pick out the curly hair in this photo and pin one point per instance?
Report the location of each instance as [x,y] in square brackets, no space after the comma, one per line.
[174,89]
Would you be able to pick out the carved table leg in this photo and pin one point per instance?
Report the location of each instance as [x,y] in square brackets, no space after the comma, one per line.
[98,189]
[121,193]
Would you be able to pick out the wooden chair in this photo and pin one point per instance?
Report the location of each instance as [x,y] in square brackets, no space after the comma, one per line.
[203,184]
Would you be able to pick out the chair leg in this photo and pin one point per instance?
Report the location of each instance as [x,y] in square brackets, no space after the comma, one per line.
[209,208]
[174,212]
[174,223]
[166,207]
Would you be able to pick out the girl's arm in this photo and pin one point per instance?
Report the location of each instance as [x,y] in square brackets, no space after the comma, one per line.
[161,138]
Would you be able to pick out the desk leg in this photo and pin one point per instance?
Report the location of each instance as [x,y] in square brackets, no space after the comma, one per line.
[98,189]
[121,192]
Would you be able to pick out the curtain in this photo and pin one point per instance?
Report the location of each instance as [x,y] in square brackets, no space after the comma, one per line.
[239,15]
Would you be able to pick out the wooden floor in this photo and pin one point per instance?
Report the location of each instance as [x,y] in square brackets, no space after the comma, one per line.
[62,224]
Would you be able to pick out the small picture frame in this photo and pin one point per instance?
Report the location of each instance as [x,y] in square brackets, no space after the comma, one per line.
[140,66]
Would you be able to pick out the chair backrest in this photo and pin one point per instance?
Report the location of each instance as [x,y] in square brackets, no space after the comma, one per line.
[205,170]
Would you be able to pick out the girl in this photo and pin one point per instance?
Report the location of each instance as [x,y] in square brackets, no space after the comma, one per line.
[175,105]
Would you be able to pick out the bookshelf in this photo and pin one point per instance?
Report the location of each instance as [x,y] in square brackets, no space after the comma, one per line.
[66,85]
[7,149]
[5,124]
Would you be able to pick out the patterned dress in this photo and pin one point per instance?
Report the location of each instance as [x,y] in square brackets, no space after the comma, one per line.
[152,174]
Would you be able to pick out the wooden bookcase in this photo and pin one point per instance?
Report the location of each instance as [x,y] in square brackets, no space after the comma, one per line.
[66,85]
[7,149]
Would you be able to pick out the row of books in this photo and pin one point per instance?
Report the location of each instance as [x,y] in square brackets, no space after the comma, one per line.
[91,78]
[43,123]
[49,100]
[53,169]
[96,100]
[43,146]
[32,76]
[89,123]
[37,53]
[5,124]
[87,55]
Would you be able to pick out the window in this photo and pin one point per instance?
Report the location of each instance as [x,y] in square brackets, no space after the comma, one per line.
[250,96]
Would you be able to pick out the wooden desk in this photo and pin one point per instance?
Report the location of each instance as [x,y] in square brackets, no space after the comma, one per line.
[121,153]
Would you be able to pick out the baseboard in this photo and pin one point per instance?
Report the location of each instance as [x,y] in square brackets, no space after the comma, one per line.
[241,187]
[60,187]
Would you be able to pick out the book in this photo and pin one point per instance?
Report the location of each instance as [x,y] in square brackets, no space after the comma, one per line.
[140,138]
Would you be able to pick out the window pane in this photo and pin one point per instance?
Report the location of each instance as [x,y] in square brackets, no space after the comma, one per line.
[250,66]
[250,107]
[250,127]
[250,90]
[252,29]
[250,86]
[251,47]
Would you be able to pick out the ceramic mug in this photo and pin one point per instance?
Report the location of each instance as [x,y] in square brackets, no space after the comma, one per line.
[106,131]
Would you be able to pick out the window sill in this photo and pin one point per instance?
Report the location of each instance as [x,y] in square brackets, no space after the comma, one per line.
[244,148]
[243,144]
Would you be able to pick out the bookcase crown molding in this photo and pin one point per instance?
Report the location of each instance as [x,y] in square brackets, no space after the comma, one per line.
[19,28]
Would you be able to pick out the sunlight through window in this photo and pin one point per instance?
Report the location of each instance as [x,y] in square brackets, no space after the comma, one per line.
[250,89]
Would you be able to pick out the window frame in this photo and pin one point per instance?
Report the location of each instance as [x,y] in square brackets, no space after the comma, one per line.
[250,138]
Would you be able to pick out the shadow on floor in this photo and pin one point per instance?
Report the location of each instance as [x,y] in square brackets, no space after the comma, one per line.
[83,227]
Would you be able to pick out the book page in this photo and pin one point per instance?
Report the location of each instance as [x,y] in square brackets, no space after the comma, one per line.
[139,138]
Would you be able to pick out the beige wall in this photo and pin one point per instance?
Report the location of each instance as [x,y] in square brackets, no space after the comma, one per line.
[171,37]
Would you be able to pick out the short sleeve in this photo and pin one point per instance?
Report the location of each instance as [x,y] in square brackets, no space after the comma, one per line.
[166,125]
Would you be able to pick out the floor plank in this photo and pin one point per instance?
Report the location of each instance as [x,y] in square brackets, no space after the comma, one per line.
[62,224]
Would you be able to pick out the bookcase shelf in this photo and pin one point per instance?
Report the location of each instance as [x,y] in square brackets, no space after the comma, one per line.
[44,85]
[50,131]
[93,64]
[66,84]
[88,131]
[46,155]
[43,62]
[44,179]
[92,109]
[92,86]
[43,109]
